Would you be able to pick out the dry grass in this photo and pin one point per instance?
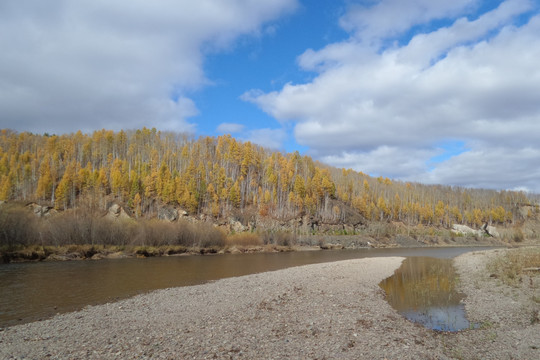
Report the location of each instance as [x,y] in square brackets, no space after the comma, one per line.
[509,267]
[244,239]
[279,238]
[19,228]
[175,249]
[76,234]
[80,252]
[512,234]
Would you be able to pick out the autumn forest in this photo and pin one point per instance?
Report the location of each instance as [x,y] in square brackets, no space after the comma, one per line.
[145,167]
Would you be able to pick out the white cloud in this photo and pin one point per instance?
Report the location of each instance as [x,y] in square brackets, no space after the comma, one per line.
[387,110]
[268,138]
[490,167]
[230,128]
[385,160]
[391,17]
[89,64]
[426,48]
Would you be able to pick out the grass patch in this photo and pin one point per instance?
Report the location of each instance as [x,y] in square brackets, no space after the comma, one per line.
[147,251]
[176,249]
[509,266]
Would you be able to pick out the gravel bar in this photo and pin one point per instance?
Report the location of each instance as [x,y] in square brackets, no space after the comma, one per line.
[321,311]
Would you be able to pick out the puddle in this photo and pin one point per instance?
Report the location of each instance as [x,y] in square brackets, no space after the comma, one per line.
[423,290]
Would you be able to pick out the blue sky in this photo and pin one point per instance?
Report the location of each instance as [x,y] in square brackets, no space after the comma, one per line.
[266,62]
[433,91]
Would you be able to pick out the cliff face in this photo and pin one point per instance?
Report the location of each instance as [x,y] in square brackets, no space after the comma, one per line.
[354,231]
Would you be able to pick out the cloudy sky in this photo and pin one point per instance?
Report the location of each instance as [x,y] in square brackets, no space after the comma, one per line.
[433,91]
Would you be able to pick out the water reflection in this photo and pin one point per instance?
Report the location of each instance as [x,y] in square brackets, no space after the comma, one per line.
[424,291]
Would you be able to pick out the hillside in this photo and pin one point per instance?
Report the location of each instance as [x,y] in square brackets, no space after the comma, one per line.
[241,186]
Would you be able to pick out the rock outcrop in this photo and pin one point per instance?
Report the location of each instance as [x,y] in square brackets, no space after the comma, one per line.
[115,211]
[236,226]
[41,210]
[172,214]
[490,230]
[465,230]
[484,230]
[167,213]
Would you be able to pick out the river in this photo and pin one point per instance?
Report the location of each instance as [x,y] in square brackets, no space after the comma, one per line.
[34,291]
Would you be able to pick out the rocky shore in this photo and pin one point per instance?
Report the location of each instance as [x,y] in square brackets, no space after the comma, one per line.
[331,310]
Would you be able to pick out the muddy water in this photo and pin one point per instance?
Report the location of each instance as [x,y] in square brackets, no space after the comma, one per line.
[423,290]
[33,291]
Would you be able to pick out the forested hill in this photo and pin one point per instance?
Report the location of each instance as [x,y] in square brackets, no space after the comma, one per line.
[217,177]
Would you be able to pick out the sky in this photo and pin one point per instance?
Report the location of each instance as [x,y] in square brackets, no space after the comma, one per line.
[431,91]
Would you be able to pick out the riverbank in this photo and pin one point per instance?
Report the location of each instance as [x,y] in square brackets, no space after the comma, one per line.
[33,253]
[36,253]
[507,310]
[324,310]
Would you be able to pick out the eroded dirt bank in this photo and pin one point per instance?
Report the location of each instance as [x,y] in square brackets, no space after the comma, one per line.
[331,310]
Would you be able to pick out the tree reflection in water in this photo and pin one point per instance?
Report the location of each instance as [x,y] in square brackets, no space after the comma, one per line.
[424,291]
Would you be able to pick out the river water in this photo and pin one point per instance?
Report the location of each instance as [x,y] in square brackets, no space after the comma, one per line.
[424,290]
[34,291]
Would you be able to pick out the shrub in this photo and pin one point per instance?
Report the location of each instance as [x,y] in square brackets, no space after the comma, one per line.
[18,226]
[244,239]
[280,238]
[208,236]
[518,236]
[159,233]
[509,266]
